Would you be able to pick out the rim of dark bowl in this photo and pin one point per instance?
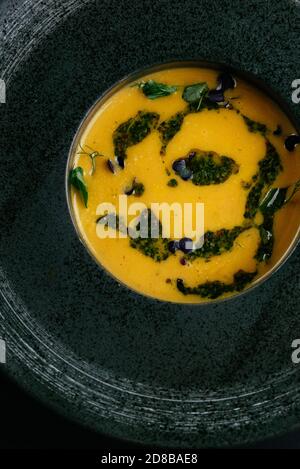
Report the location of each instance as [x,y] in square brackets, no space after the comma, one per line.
[247,76]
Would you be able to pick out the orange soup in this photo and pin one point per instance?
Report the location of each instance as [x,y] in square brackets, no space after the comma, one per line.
[188,135]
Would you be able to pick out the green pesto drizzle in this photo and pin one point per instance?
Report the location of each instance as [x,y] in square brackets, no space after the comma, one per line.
[156,248]
[253,199]
[169,128]
[208,167]
[255,127]
[213,290]
[217,242]
[266,244]
[133,131]
[153,89]
[269,168]
[273,201]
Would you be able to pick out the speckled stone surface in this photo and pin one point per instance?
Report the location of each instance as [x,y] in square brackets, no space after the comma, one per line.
[100,354]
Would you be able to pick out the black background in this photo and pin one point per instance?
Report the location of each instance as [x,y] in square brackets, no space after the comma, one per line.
[27,424]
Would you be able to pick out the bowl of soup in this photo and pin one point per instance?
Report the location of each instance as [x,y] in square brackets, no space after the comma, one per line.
[182,182]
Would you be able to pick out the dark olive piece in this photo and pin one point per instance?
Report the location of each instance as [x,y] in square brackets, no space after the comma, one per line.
[179,165]
[121,162]
[291,142]
[278,130]
[173,246]
[186,245]
[111,166]
[226,82]
[216,96]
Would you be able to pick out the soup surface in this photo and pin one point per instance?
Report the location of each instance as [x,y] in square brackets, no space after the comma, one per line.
[220,142]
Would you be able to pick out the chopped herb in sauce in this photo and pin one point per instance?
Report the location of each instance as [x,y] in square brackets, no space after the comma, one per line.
[217,242]
[172,183]
[133,131]
[273,201]
[153,90]
[246,185]
[137,188]
[77,180]
[215,289]
[265,248]
[254,126]
[253,199]
[156,248]
[169,128]
[206,167]
[269,168]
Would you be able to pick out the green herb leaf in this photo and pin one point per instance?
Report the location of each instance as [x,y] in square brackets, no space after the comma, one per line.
[92,154]
[276,198]
[153,90]
[195,93]
[76,178]
[273,200]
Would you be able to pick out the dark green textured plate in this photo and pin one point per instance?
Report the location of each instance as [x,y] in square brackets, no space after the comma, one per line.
[95,351]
